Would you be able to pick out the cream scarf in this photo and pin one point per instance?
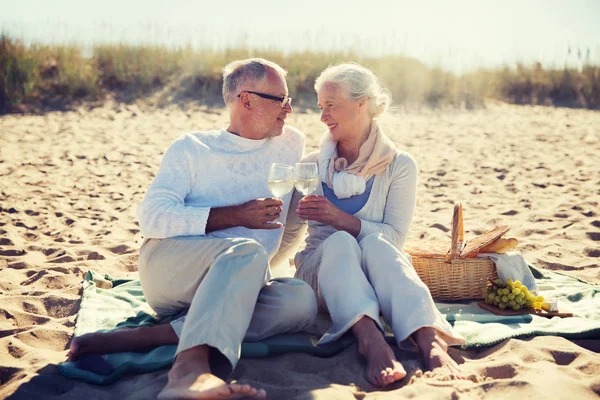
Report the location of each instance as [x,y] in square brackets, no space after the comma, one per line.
[374,156]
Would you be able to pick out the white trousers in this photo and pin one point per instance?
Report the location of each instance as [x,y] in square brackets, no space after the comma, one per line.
[368,278]
[225,284]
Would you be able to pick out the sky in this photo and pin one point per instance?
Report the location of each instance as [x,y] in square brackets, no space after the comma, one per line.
[458,35]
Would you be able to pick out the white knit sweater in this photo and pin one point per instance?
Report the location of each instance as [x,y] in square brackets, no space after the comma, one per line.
[215,169]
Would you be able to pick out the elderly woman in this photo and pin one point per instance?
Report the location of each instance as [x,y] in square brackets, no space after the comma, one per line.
[358,222]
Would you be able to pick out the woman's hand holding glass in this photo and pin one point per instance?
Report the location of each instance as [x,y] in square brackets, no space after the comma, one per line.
[319,209]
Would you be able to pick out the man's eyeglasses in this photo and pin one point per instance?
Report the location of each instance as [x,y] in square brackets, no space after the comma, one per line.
[283,100]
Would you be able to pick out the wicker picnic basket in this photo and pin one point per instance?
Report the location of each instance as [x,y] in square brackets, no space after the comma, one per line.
[456,273]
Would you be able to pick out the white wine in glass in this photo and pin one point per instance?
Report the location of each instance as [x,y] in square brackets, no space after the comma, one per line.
[307,178]
[281,179]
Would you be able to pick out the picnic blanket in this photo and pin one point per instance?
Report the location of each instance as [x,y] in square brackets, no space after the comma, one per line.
[109,303]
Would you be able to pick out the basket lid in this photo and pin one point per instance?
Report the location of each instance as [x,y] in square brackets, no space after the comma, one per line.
[473,246]
[426,250]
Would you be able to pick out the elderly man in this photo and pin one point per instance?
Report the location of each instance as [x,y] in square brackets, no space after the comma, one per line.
[210,230]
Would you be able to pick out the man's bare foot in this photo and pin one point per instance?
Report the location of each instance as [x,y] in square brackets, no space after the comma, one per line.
[191,378]
[435,352]
[126,339]
[382,366]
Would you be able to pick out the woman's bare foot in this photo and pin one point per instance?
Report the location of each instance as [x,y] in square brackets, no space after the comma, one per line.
[191,378]
[126,339]
[382,366]
[435,352]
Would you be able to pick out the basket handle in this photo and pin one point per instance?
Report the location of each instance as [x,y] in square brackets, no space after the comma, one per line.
[458,233]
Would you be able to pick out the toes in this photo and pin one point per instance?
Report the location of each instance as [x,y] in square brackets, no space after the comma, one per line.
[377,379]
[384,378]
[399,375]
[239,388]
[261,394]
[399,372]
[243,390]
[389,376]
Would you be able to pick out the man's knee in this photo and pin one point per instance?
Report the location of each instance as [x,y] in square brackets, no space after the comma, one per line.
[252,250]
[248,244]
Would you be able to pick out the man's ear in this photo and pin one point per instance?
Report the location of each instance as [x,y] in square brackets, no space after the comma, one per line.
[245,99]
[362,101]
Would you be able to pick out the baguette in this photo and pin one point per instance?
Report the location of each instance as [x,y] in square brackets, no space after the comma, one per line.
[500,246]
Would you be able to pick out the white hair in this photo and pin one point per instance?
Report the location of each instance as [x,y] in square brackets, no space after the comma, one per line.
[358,82]
[237,73]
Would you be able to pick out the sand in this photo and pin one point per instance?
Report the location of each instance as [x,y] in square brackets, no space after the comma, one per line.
[70,183]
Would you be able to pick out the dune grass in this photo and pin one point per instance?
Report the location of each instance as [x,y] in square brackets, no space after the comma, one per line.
[41,76]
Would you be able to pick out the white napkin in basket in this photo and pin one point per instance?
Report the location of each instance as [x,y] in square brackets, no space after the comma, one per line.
[513,265]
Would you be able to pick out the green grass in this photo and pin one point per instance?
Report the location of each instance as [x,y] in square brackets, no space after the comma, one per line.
[39,76]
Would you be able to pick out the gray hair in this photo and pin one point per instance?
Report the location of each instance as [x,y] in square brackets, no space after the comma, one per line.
[358,82]
[237,73]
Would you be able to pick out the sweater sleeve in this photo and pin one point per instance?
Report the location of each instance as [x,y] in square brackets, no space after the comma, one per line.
[399,205]
[163,213]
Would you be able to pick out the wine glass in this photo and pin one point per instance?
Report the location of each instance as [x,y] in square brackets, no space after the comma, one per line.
[307,177]
[281,180]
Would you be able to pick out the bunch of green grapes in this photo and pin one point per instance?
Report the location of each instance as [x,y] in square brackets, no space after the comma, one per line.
[510,294]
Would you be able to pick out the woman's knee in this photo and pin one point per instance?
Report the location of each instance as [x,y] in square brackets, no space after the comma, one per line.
[374,241]
[340,255]
[378,251]
[339,246]
[341,238]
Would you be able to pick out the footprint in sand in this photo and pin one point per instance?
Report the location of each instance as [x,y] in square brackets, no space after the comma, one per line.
[12,253]
[506,371]
[21,224]
[60,307]
[440,227]
[30,236]
[7,373]
[595,253]
[121,249]
[22,319]
[19,265]
[563,357]
[554,266]
[595,236]
[16,351]
[51,339]
[63,259]
[55,252]
[94,255]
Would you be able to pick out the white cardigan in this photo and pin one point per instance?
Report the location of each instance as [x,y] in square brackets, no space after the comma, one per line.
[389,209]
